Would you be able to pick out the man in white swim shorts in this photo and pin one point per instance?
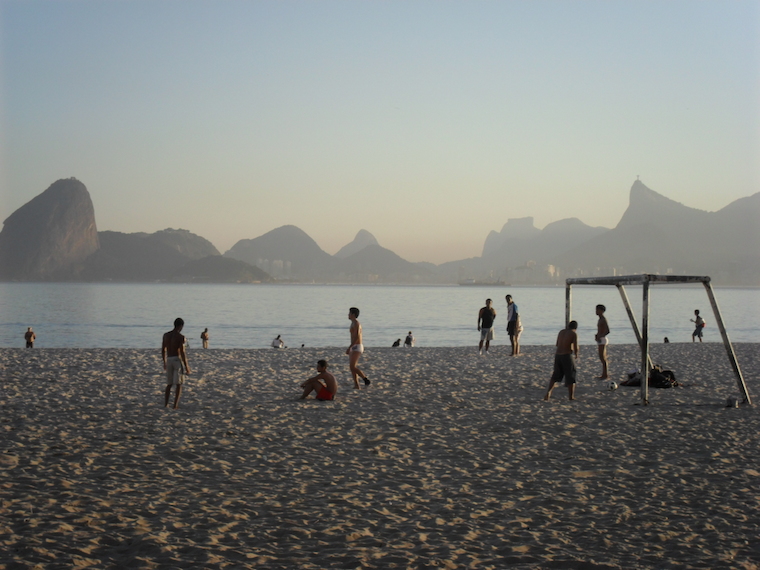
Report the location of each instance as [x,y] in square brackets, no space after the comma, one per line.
[602,330]
[356,349]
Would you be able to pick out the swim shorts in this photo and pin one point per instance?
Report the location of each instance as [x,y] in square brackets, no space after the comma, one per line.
[357,348]
[698,331]
[175,375]
[512,328]
[602,341]
[564,367]
[325,394]
[486,333]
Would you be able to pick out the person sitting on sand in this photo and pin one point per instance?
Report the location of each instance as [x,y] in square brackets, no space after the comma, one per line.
[29,337]
[700,324]
[204,337]
[409,340]
[564,366]
[356,349]
[397,343]
[602,330]
[278,343]
[174,357]
[323,391]
[486,316]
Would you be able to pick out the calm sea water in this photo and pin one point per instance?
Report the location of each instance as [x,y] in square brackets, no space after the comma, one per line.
[81,315]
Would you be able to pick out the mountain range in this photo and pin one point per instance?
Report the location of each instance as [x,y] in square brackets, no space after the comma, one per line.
[54,237]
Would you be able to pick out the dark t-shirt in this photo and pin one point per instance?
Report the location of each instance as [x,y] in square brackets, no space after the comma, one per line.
[487,315]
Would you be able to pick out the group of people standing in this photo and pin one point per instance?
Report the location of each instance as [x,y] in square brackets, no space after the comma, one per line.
[486,318]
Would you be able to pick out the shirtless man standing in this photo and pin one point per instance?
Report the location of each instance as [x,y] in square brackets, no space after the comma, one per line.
[174,357]
[564,366]
[356,349]
[323,384]
[602,330]
[486,316]
[29,337]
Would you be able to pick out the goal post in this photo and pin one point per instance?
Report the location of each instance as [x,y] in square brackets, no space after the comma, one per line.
[642,335]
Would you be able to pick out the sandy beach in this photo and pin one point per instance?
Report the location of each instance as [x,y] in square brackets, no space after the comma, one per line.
[448,460]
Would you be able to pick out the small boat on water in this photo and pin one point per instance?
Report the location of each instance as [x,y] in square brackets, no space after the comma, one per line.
[476,283]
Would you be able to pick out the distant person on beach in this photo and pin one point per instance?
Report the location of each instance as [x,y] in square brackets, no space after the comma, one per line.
[666,341]
[514,326]
[486,316]
[564,365]
[397,343]
[174,357]
[700,324]
[356,349]
[323,384]
[278,342]
[602,330]
[409,340]
[204,337]
[29,337]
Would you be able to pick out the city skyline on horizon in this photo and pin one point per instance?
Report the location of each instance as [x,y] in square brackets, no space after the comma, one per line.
[428,125]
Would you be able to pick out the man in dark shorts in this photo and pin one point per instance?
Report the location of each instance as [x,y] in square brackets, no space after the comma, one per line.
[513,325]
[29,337]
[486,316]
[174,357]
[564,365]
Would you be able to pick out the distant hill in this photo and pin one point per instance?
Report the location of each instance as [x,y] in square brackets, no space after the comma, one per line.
[285,253]
[521,229]
[131,257]
[374,263]
[144,257]
[184,242]
[49,236]
[218,269]
[519,244]
[363,239]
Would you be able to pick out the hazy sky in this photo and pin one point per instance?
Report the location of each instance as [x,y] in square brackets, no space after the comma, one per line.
[426,123]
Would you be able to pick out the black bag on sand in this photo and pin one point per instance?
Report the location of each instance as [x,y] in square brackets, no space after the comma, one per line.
[659,378]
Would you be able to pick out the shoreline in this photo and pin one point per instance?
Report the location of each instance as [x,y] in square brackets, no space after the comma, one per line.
[447,460]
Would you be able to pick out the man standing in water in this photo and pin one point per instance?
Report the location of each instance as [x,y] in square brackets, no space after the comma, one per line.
[486,317]
[356,349]
[204,337]
[564,366]
[174,357]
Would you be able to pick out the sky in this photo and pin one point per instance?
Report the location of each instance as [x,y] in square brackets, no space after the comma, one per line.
[427,123]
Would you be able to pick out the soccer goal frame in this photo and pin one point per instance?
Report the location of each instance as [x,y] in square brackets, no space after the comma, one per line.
[642,336]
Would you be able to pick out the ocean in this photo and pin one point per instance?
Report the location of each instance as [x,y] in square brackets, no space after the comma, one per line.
[110,315]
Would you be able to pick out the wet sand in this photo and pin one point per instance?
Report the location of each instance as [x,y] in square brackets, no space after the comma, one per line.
[448,460]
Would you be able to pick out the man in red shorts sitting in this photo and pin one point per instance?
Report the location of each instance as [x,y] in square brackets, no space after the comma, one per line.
[324,391]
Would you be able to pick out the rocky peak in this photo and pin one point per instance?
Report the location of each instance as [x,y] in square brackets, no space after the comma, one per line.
[646,206]
[363,239]
[514,229]
[49,235]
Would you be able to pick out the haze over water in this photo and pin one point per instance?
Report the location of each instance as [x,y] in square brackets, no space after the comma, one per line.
[83,315]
